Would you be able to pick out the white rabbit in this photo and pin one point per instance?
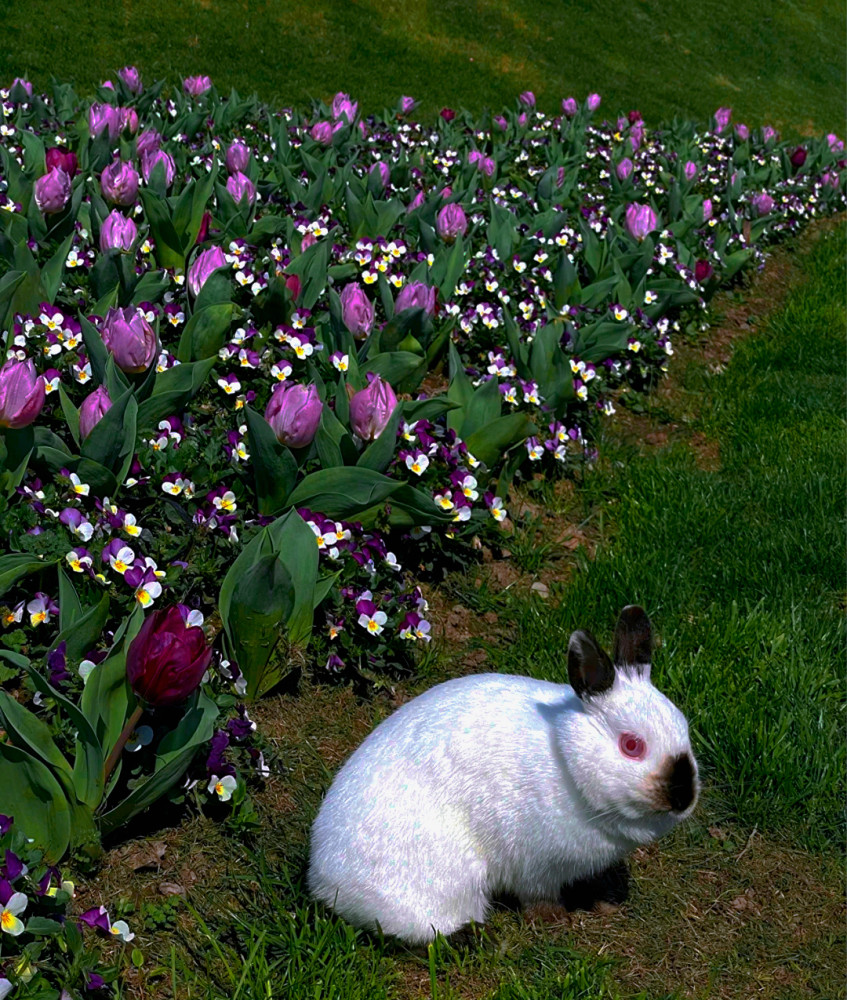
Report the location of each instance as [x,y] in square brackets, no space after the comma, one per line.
[495,784]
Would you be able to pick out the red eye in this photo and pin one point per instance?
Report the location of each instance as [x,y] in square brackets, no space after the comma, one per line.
[632,746]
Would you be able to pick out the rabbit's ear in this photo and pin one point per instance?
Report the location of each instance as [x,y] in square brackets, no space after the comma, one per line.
[590,671]
[633,639]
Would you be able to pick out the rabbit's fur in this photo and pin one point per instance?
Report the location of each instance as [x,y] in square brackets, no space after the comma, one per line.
[503,784]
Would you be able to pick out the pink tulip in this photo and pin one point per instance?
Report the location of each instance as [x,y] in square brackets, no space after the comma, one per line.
[357,311]
[690,170]
[294,413]
[371,409]
[624,169]
[22,394]
[148,142]
[416,295]
[150,161]
[342,105]
[722,118]
[569,107]
[131,78]
[204,265]
[451,222]
[53,191]
[104,117]
[94,407]
[195,86]
[527,98]
[237,156]
[240,188]
[130,339]
[321,132]
[593,102]
[119,183]
[640,220]
[117,232]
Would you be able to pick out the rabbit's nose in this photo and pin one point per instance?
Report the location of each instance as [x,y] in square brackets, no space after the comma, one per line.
[681,782]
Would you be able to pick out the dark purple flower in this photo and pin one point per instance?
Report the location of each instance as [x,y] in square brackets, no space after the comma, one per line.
[448,114]
[167,659]
[62,158]
[798,157]
[96,917]
[703,271]
[5,823]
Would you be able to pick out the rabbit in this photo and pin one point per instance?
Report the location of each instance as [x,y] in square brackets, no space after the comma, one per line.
[496,784]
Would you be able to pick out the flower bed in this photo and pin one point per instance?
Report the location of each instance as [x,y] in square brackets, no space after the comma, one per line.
[219,319]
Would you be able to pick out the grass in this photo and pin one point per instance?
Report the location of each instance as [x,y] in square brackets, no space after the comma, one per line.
[782,64]
[739,563]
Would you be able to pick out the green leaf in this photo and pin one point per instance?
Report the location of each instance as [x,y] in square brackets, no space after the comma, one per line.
[295,545]
[43,927]
[169,249]
[70,413]
[491,442]
[481,409]
[105,699]
[82,635]
[34,797]
[112,440]
[274,467]
[98,353]
[70,606]
[172,391]
[343,492]
[30,733]
[16,565]
[396,366]
[419,508]
[460,391]
[53,272]
[205,333]
[16,448]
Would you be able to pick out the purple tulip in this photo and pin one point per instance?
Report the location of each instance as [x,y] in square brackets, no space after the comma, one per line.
[166,661]
[130,339]
[527,98]
[151,160]
[416,202]
[117,232]
[204,264]
[381,170]
[129,120]
[835,144]
[22,394]
[722,117]
[762,203]
[569,107]
[66,160]
[768,134]
[416,295]
[522,119]
[194,86]
[237,156]
[131,78]
[592,102]
[52,191]
[636,135]
[742,131]
[690,170]
[240,187]
[798,157]
[407,104]
[321,132]
[451,222]
[357,311]
[640,220]
[94,407]
[148,142]
[342,105]
[22,86]
[624,169]
[501,123]
[294,413]
[707,209]
[104,117]
[119,183]
[703,271]
[371,409]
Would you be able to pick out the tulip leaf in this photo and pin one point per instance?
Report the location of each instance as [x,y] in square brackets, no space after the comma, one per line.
[481,408]
[378,454]
[82,634]
[491,441]
[216,290]
[16,565]
[343,492]
[150,287]
[112,439]
[105,699]
[98,353]
[70,606]
[460,390]
[70,413]
[417,506]
[8,286]
[30,733]
[396,366]
[34,797]
[333,442]
[172,390]
[16,448]
[274,467]
[294,543]
[205,333]
[311,267]
[169,252]
[53,272]
[427,409]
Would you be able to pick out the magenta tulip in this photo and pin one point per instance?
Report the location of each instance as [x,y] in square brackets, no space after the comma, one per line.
[240,188]
[131,78]
[94,407]
[104,118]
[640,220]
[742,132]
[416,202]
[527,98]
[798,157]
[624,169]
[150,161]
[52,191]
[592,102]
[763,203]
[117,232]
[22,394]
[119,183]
[237,156]
[321,132]
[690,170]
[21,90]
[148,142]
[451,222]
[195,86]
[569,107]
[129,120]
[64,159]
[357,311]
[416,295]
[371,409]
[722,118]
[343,106]
[130,339]
[166,661]
[204,264]
[407,104]
[294,413]
[707,209]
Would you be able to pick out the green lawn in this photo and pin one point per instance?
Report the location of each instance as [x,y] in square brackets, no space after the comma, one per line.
[782,64]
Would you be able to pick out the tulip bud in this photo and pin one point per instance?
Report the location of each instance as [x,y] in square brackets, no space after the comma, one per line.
[722,117]
[798,157]
[52,191]
[148,142]
[67,161]
[195,86]
[357,311]
[448,114]
[129,120]
[636,135]
[241,187]
[742,132]
[204,264]
[166,661]
[592,102]
[522,119]
[763,203]
[342,105]
[130,339]
[769,134]
[117,232]
[703,270]
[569,106]
[151,160]
[527,98]
[237,156]
[690,170]
[104,118]
[131,78]
[407,104]
[119,183]
[707,209]
[501,123]
[416,202]
[640,220]
[624,169]
[451,222]
[94,407]
[382,171]
[835,144]
[321,132]
[416,295]
[22,394]
[371,409]
[20,91]
[294,413]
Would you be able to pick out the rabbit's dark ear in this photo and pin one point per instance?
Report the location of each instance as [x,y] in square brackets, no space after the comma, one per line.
[590,671]
[633,639]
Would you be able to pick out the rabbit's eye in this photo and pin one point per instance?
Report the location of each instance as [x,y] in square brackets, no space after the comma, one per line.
[632,746]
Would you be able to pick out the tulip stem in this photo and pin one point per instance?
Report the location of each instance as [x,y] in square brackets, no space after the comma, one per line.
[128,730]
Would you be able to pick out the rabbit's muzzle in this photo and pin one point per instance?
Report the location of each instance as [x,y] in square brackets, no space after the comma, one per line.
[675,787]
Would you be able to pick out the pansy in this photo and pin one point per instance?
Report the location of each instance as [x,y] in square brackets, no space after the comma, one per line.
[9,922]
[41,608]
[14,615]
[417,463]
[222,787]
[121,560]
[495,506]
[120,930]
